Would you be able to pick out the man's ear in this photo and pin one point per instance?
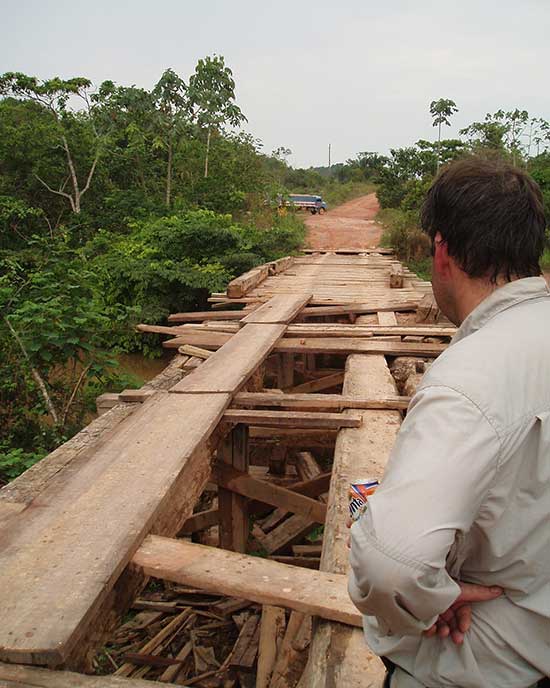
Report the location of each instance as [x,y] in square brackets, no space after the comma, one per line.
[441,258]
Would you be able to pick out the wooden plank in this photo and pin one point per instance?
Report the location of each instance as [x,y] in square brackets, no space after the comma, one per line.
[137,396]
[285,371]
[201,520]
[328,345]
[246,648]
[396,276]
[117,482]
[347,330]
[253,578]
[320,401]
[388,319]
[319,384]
[229,368]
[289,660]
[280,265]
[293,419]
[207,340]
[21,676]
[280,309]
[339,656]
[244,283]
[272,631]
[344,345]
[234,523]
[363,308]
[199,316]
[194,351]
[245,485]
[287,534]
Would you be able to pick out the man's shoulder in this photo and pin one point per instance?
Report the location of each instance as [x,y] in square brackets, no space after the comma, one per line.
[501,368]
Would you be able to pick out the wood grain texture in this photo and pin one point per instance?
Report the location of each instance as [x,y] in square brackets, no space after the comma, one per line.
[230,367]
[280,309]
[252,578]
[62,556]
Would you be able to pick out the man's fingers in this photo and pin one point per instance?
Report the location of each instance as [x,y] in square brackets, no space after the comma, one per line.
[432,630]
[443,629]
[470,592]
[464,618]
[457,637]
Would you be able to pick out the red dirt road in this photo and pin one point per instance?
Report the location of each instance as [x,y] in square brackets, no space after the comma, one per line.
[350,225]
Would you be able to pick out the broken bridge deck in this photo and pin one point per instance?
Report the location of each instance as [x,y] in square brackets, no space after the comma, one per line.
[71,527]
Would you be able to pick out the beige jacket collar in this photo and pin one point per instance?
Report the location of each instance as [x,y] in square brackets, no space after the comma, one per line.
[501,299]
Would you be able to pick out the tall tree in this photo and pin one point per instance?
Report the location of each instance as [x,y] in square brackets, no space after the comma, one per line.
[211,95]
[54,95]
[169,96]
[441,110]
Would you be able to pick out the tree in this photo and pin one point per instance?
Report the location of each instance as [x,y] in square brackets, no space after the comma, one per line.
[211,98]
[441,110]
[54,95]
[169,96]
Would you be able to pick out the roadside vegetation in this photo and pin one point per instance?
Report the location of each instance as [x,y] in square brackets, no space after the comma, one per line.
[119,205]
[404,176]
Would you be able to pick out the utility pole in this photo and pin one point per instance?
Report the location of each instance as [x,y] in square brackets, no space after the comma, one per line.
[329,156]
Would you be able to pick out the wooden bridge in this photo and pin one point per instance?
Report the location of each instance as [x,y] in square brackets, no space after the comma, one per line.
[82,530]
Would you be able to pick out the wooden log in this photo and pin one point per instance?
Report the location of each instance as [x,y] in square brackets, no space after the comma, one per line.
[200,521]
[245,649]
[345,309]
[234,523]
[280,265]
[38,570]
[339,656]
[288,533]
[320,401]
[199,316]
[307,466]
[197,352]
[396,276]
[318,385]
[238,287]
[293,419]
[136,396]
[347,346]
[309,345]
[244,485]
[21,676]
[295,641]
[285,371]
[272,631]
[254,578]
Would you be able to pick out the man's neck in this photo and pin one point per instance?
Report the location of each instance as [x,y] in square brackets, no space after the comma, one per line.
[471,292]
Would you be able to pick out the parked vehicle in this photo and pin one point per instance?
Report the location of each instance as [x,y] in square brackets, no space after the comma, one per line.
[314,204]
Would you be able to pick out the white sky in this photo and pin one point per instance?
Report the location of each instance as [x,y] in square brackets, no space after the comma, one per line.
[357,74]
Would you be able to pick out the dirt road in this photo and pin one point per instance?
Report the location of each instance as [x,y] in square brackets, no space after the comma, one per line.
[350,225]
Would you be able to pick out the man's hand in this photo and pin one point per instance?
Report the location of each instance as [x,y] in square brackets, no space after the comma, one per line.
[456,621]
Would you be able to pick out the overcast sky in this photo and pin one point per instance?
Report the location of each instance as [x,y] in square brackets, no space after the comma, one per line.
[354,73]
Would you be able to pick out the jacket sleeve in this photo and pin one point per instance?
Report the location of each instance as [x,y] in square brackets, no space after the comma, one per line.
[442,466]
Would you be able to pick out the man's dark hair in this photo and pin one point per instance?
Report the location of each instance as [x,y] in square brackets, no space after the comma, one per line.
[490,215]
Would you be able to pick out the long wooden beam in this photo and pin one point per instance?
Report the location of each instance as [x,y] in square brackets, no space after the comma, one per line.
[251,578]
[292,419]
[243,484]
[61,561]
[319,401]
[295,345]
[20,676]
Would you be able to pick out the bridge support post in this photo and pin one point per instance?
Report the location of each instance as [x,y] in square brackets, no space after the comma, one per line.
[233,508]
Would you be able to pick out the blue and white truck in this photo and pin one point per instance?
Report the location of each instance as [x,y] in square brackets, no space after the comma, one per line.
[313,203]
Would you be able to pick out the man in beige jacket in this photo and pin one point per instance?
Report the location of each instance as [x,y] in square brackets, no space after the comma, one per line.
[465,498]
